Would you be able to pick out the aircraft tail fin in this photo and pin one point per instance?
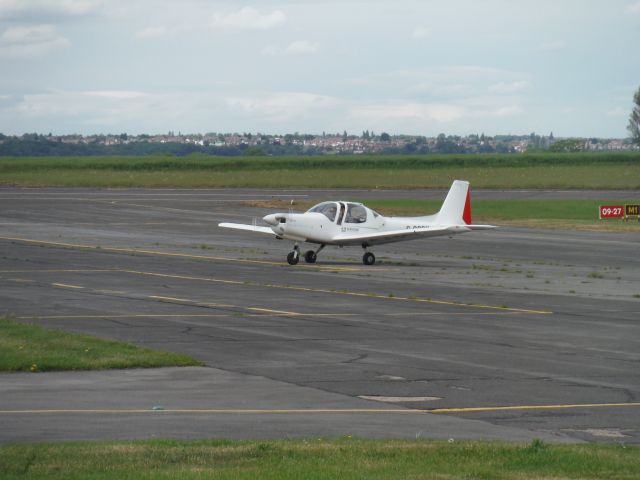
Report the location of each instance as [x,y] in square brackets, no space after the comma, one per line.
[456,209]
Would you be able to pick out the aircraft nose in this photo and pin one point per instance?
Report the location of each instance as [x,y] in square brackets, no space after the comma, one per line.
[271,219]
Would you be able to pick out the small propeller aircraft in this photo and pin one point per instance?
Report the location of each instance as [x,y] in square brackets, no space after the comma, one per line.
[344,223]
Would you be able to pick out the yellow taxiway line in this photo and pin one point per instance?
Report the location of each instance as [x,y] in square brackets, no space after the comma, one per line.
[78,246]
[262,411]
[271,285]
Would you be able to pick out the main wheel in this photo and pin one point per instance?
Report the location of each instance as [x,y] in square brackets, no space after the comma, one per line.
[368,258]
[310,256]
[293,258]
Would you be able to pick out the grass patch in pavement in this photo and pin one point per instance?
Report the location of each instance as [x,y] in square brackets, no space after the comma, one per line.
[31,348]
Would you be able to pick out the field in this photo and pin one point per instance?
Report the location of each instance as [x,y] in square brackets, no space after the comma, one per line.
[545,170]
[345,458]
[25,348]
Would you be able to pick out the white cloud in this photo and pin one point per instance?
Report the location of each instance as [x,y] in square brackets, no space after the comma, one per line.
[30,41]
[410,112]
[633,8]
[37,9]
[283,106]
[301,47]
[248,18]
[152,32]
[420,32]
[509,87]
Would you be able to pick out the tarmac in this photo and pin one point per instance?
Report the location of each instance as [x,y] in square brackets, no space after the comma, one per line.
[511,334]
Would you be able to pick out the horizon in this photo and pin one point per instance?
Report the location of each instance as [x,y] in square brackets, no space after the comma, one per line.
[405,68]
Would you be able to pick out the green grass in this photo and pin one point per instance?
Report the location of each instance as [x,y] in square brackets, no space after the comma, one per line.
[502,209]
[577,214]
[593,171]
[25,347]
[345,458]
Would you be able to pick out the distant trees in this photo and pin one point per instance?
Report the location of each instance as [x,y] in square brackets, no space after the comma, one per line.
[568,145]
[634,119]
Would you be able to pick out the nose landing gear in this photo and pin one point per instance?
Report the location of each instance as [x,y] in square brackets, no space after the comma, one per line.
[310,256]
[294,257]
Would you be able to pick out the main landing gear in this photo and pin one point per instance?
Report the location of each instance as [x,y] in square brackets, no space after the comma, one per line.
[311,257]
[368,258]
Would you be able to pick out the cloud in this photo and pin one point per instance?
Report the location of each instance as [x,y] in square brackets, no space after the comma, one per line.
[152,32]
[36,10]
[420,32]
[409,112]
[283,106]
[31,41]
[301,47]
[509,87]
[633,8]
[248,18]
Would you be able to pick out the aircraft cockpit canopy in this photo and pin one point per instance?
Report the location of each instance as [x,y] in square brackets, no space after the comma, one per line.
[346,212]
[328,209]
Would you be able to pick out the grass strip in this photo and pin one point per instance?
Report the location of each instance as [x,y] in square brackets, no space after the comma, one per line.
[346,458]
[570,214]
[591,171]
[31,348]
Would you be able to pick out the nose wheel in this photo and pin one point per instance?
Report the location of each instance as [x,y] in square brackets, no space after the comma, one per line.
[368,258]
[294,257]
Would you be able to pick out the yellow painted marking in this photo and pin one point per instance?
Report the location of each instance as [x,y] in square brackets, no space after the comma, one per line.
[261,411]
[172,254]
[110,292]
[533,407]
[302,289]
[268,310]
[172,299]
[64,285]
[86,270]
[132,315]
[343,292]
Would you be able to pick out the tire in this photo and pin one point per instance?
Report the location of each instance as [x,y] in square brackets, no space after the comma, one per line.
[310,256]
[292,258]
[368,258]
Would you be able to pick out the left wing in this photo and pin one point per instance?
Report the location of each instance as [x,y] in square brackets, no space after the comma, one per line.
[251,228]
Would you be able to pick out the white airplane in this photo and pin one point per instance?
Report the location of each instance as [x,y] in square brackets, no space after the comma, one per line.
[349,223]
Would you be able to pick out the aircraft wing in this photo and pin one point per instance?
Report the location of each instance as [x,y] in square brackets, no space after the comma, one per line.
[378,238]
[251,228]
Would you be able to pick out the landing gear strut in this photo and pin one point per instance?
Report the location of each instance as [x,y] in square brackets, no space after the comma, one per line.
[294,256]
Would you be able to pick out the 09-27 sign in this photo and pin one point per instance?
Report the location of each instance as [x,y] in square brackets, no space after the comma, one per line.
[611,211]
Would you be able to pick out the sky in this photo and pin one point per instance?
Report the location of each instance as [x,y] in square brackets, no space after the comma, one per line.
[412,67]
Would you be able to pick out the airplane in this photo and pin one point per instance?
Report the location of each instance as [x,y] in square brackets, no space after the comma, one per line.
[345,223]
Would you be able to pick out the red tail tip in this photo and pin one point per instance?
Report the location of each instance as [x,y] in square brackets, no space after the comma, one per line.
[466,215]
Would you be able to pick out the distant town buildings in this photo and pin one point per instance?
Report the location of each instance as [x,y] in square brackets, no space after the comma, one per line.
[338,143]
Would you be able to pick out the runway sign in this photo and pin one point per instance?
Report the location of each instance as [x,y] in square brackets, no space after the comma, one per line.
[611,211]
[632,210]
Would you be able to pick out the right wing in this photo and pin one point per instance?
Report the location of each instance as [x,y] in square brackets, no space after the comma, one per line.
[251,228]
